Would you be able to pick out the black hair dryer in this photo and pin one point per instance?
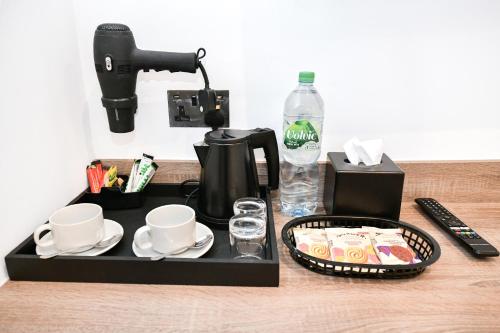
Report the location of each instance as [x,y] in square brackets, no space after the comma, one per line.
[117,61]
[229,171]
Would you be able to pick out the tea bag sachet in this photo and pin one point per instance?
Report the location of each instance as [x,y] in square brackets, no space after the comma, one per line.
[312,242]
[352,245]
[391,247]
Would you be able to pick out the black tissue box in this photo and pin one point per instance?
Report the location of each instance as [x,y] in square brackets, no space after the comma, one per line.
[362,190]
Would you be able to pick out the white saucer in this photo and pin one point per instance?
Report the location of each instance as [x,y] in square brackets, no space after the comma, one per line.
[201,231]
[111,228]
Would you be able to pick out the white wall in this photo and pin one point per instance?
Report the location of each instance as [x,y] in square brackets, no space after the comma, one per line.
[44,120]
[422,75]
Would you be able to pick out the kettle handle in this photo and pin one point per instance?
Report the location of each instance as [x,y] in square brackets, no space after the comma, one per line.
[266,138]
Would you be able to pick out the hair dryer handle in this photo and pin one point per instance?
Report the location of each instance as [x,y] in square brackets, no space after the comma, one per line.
[266,138]
[170,61]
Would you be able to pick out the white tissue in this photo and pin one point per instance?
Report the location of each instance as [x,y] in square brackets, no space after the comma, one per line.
[369,152]
[350,150]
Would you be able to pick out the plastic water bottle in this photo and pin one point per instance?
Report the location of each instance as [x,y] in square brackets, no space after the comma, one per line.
[302,127]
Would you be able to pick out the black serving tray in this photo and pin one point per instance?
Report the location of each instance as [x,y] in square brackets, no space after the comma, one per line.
[120,265]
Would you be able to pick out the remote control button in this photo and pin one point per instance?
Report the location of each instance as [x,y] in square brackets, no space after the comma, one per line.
[456,223]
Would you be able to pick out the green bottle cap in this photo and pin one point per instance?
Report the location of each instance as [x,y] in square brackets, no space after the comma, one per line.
[306,77]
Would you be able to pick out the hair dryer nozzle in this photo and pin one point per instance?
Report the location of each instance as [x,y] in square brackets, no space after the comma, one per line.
[120,113]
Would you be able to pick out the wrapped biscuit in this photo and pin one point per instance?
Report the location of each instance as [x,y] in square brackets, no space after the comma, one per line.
[391,247]
[352,245]
[312,242]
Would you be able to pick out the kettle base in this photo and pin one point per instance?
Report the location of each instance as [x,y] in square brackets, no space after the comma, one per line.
[211,221]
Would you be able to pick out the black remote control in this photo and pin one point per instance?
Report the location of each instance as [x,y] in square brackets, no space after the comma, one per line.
[467,237]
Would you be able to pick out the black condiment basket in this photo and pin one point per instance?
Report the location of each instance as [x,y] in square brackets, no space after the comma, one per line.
[114,197]
[422,243]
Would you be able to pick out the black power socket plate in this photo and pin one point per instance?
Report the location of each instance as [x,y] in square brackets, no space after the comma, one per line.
[184,108]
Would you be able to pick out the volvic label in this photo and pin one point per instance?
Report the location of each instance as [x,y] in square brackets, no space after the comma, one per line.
[301,134]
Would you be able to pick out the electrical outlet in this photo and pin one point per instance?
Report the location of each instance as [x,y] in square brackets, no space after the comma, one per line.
[184,109]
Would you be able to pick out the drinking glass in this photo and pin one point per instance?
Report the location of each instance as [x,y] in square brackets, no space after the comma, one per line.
[247,236]
[250,205]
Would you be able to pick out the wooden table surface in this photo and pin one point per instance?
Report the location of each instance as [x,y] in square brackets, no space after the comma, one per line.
[457,293]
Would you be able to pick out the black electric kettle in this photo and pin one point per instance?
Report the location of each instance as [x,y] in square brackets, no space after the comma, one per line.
[228,169]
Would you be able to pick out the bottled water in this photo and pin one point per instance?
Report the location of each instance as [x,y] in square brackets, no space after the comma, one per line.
[301,145]
[299,188]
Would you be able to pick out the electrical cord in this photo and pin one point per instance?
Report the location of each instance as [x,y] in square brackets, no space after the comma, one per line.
[201,49]
[213,116]
[192,193]
[200,56]
[205,76]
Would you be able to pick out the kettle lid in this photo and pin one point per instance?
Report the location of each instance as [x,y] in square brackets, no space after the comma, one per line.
[227,136]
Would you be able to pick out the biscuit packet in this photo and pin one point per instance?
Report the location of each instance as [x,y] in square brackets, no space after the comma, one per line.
[352,245]
[391,247]
[312,242]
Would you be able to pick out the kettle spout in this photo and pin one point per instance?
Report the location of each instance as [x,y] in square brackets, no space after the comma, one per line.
[201,149]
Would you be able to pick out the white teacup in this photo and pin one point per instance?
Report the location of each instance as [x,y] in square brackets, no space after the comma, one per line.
[72,227]
[168,229]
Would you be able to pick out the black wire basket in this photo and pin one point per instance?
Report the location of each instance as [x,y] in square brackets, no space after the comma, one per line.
[422,243]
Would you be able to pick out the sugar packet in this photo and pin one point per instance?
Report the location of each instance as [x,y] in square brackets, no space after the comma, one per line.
[352,245]
[312,242]
[391,247]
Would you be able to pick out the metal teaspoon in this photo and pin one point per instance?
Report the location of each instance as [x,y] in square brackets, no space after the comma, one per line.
[104,243]
[198,244]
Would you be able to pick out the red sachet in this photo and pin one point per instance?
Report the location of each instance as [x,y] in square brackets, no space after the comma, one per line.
[93,179]
[100,172]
